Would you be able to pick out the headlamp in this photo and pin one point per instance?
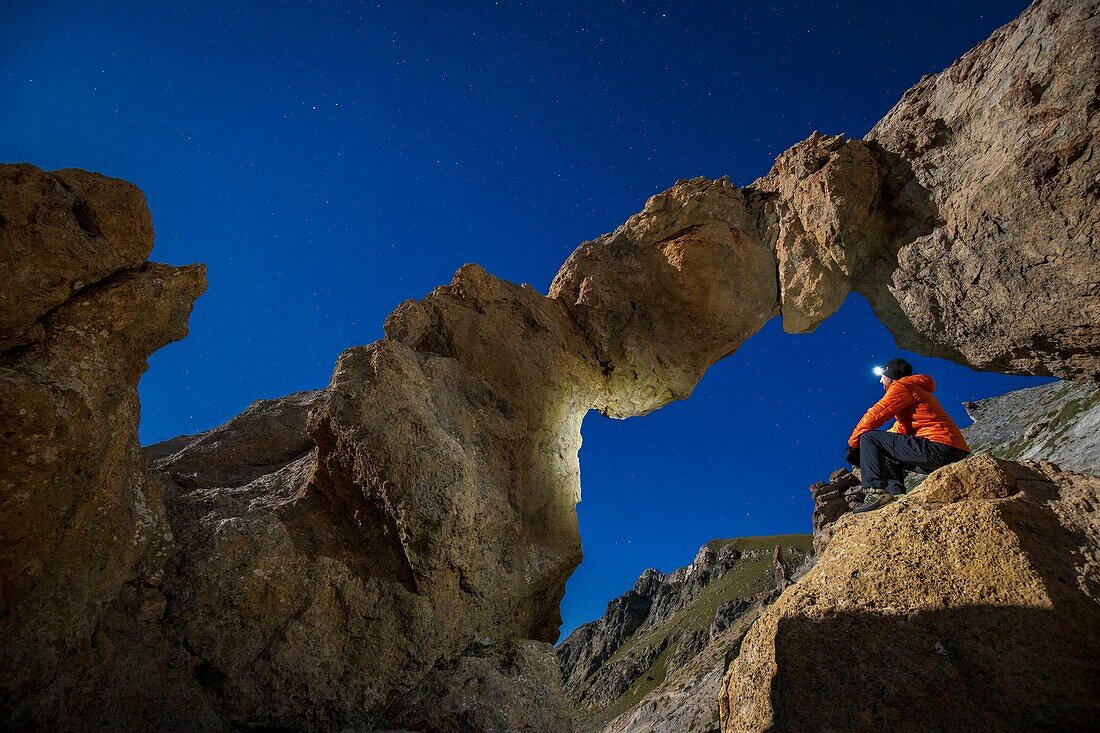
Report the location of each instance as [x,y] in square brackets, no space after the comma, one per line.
[878,371]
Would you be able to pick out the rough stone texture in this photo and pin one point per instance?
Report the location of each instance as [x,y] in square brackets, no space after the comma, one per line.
[824,211]
[671,291]
[432,504]
[932,613]
[1058,422]
[833,499]
[61,232]
[504,692]
[1004,145]
[314,576]
[261,440]
[82,526]
[967,217]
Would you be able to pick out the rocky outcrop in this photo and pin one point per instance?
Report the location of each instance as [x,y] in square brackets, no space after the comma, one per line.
[967,217]
[935,611]
[428,506]
[83,534]
[622,663]
[323,558]
[833,499]
[1003,146]
[1058,422]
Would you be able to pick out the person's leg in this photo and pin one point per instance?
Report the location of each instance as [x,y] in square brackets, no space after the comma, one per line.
[880,473]
[912,453]
[879,467]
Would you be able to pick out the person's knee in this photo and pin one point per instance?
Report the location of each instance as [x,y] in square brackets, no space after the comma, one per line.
[867,439]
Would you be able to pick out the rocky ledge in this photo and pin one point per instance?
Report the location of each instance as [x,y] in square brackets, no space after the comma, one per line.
[971,604]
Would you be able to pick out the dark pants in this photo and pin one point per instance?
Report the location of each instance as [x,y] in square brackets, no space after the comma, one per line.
[884,458]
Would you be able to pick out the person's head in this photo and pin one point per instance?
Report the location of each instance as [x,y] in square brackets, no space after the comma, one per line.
[892,371]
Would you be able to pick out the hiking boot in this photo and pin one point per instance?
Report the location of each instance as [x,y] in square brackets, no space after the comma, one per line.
[873,499]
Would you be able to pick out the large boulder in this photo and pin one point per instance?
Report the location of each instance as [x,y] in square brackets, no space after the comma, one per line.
[971,604]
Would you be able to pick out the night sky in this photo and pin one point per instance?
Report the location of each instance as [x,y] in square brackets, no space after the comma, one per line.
[327,160]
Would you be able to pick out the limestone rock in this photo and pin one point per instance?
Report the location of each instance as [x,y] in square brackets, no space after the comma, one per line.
[1003,145]
[82,518]
[1058,422]
[825,215]
[832,499]
[677,287]
[967,217]
[261,440]
[490,692]
[61,232]
[430,505]
[323,557]
[932,613]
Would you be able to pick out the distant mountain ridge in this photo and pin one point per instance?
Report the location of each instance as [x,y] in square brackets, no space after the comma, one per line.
[674,626]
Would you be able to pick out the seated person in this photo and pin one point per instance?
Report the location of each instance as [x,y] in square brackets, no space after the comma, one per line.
[923,439]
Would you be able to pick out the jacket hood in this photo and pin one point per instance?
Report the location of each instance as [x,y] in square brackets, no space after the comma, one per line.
[923,381]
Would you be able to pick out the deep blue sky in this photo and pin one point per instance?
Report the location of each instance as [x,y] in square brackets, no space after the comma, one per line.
[328,160]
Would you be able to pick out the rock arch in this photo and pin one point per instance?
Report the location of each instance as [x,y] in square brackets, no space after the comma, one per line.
[340,558]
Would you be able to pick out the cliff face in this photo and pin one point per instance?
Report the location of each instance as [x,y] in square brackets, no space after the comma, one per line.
[83,533]
[1057,422]
[355,556]
[619,669]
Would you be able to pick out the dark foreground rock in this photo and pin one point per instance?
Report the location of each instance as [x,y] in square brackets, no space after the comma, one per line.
[971,604]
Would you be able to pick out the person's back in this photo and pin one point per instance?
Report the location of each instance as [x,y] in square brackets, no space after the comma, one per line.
[910,401]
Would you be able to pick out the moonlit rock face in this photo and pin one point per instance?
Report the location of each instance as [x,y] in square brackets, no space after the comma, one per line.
[325,559]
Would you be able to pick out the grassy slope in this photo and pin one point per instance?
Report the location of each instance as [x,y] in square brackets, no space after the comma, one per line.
[747,578]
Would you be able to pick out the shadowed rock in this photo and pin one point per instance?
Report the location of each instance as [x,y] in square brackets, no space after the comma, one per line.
[331,556]
[931,613]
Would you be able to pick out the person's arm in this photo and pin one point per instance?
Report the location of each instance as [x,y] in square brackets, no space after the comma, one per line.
[896,399]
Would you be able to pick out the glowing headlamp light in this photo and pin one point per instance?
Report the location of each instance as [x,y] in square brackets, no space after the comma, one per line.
[878,371]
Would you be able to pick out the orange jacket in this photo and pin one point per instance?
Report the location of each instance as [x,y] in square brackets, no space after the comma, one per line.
[918,413]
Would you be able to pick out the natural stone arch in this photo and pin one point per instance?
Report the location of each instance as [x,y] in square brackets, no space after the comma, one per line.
[350,547]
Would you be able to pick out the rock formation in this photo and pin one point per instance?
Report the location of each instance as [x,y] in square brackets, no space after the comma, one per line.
[619,669]
[417,528]
[83,533]
[833,499]
[971,604]
[1057,422]
[967,217]
[332,559]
